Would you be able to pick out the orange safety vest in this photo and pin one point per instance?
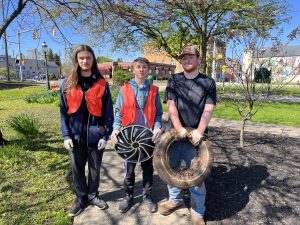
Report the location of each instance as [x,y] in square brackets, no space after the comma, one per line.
[93,98]
[128,110]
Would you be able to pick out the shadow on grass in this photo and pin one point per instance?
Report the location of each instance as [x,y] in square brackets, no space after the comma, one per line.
[40,143]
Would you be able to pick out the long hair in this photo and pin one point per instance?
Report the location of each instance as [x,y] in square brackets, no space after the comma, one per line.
[73,77]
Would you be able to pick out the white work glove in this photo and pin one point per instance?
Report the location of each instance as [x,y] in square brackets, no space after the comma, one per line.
[113,136]
[156,134]
[182,133]
[195,137]
[68,144]
[101,144]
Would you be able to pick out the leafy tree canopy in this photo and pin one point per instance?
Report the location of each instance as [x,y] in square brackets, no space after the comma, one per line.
[102,59]
[171,25]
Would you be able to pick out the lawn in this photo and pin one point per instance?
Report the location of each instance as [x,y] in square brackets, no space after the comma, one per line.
[35,185]
[270,113]
[275,90]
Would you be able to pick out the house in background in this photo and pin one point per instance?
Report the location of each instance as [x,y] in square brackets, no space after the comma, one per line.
[31,68]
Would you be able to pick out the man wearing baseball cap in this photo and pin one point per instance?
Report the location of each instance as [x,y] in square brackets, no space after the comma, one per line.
[190,97]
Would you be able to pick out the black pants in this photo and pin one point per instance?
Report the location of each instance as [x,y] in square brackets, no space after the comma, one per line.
[86,190]
[129,179]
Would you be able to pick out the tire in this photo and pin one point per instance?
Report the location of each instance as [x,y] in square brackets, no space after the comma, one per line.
[190,177]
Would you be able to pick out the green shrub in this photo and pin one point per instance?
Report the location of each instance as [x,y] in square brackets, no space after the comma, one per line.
[121,76]
[25,124]
[52,76]
[114,90]
[44,97]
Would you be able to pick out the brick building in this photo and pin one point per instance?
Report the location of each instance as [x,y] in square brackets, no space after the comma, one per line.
[157,70]
[160,56]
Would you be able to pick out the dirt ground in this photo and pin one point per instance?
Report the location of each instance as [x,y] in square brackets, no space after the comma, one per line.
[258,184]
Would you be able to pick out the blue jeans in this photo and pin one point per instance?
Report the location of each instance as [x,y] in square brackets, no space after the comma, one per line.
[178,151]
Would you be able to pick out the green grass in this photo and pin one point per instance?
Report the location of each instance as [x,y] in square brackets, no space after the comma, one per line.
[12,94]
[270,113]
[35,175]
[295,90]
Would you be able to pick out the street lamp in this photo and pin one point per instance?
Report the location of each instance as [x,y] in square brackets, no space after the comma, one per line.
[45,49]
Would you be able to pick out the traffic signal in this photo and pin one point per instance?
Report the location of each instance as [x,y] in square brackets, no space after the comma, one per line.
[35,35]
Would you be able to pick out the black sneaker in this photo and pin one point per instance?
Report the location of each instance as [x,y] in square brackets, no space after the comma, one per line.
[77,208]
[150,203]
[98,202]
[126,204]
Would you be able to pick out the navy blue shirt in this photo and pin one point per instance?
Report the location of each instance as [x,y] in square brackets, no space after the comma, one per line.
[190,96]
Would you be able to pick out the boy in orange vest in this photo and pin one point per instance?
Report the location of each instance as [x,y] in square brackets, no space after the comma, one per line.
[138,103]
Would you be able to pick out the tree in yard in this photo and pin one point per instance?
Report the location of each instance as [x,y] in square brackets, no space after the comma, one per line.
[121,76]
[57,60]
[247,95]
[171,25]
[3,71]
[102,59]
[50,56]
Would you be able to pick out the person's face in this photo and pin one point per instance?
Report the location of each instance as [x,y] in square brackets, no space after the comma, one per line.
[190,63]
[140,70]
[85,60]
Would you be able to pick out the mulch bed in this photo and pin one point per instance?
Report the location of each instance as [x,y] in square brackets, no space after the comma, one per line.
[258,184]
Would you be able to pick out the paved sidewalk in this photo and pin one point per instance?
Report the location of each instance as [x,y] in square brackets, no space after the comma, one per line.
[257,127]
[112,183]
[111,191]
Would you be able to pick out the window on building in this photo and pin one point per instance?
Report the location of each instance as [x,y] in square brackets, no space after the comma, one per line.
[163,61]
[172,62]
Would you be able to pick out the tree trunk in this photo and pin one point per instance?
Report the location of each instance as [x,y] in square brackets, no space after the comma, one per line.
[203,44]
[242,133]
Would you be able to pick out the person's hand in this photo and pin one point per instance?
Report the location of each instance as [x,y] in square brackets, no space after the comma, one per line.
[113,136]
[156,134]
[195,137]
[182,133]
[68,144]
[101,144]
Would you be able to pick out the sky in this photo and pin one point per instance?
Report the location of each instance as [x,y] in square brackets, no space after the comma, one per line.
[28,43]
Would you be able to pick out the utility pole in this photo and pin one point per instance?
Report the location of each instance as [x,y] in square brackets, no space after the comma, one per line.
[36,63]
[214,60]
[20,56]
[19,44]
[5,44]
